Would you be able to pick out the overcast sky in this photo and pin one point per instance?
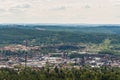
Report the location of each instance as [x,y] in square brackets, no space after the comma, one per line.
[60,11]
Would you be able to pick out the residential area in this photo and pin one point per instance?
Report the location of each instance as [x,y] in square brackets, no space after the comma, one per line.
[63,60]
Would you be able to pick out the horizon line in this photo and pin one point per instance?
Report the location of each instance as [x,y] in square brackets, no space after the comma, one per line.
[60,23]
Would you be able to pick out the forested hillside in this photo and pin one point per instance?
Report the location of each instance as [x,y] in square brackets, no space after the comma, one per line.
[17,36]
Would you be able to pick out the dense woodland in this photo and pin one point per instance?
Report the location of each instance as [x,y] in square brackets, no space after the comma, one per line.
[38,37]
[104,73]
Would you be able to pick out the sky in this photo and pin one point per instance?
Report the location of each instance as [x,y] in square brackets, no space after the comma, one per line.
[60,11]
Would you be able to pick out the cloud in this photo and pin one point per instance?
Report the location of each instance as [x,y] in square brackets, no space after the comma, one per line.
[87,6]
[57,11]
[2,10]
[22,6]
[59,8]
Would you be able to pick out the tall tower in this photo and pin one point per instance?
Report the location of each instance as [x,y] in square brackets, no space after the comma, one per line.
[25,60]
[26,53]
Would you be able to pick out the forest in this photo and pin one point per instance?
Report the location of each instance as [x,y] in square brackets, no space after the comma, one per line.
[39,37]
[86,73]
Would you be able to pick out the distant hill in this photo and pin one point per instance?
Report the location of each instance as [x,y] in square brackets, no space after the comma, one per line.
[111,29]
[38,34]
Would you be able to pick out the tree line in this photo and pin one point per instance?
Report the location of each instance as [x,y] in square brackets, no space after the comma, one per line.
[104,73]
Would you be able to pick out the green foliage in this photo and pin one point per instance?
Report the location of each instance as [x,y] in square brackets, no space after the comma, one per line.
[38,37]
[106,52]
[104,73]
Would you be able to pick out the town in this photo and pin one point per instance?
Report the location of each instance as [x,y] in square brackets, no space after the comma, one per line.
[59,59]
